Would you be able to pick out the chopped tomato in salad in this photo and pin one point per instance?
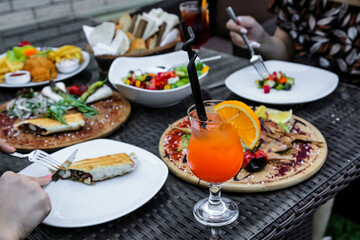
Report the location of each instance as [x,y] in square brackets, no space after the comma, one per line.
[162,80]
[276,80]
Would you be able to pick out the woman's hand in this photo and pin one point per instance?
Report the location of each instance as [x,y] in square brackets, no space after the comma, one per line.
[279,46]
[249,26]
[23,204]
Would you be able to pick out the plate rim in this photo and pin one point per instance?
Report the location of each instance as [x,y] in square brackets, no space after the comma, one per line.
[82,67]
[163,170]
[311,99]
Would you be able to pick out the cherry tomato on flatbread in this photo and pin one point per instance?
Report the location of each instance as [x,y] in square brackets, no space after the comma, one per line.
[254,161]
[261,154]
[77,90]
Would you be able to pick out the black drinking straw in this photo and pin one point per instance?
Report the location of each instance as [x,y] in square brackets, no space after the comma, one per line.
[194,80]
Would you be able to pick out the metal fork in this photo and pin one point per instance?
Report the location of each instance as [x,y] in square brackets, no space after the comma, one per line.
[41,157]
[255,60]
[170,67]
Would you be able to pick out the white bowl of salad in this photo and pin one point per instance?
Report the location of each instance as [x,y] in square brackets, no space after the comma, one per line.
[154,81]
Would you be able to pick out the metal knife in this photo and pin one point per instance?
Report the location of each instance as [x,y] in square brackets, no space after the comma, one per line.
[67,163]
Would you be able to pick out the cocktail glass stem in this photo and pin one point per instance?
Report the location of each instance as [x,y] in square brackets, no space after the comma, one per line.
[216,211]
[215,194]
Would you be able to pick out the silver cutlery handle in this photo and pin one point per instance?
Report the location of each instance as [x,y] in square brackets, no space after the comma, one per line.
[19,155]
[246,40]
[232,15]
[209,59]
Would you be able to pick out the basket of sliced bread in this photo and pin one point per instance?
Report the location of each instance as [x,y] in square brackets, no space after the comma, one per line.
[139,35]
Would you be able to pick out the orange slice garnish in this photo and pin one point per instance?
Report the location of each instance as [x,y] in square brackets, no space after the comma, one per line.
[246,123]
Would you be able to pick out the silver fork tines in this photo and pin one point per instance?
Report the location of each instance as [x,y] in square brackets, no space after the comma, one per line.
[255,60]
[40,157]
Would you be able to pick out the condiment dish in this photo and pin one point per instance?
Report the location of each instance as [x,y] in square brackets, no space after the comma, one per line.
[19,77]
[68,65]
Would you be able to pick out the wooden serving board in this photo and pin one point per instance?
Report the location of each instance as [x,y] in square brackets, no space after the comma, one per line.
[112,112]
[276,175]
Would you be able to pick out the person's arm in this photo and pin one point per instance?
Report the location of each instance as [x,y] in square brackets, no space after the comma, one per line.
[279,46]
[23,204]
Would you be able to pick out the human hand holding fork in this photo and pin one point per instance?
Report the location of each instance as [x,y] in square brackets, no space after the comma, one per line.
[40,157]
[46,160]
[23,204]
[256,60]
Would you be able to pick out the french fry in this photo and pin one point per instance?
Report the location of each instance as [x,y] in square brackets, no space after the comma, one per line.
[72,51]
[2,60]
[6,66]
[66,52]
[12,69]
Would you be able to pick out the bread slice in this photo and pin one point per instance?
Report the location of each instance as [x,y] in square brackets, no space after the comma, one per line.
[130,36]
[46,126]
[133,23]
[140,27]
[152,26]
[151,42]
[91,170]
[124,22]
[137,45]
[171,21]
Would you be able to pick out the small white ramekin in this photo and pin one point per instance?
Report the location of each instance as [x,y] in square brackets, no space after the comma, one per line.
[18,77]
[68,68]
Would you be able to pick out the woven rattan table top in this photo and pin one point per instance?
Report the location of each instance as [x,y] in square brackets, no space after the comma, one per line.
[168,215]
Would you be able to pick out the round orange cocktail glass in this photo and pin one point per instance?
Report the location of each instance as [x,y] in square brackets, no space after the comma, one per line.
[215,153]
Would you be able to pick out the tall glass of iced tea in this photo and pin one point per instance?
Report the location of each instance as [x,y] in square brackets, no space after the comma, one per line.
[215,155]
[197,17]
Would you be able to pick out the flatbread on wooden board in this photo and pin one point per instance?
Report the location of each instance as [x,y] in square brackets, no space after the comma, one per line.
[276,175]
[112,112]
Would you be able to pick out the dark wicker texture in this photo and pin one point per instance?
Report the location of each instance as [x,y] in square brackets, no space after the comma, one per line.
[282,214]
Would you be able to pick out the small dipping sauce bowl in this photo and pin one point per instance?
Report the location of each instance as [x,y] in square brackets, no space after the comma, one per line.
[18,77]
[67,65]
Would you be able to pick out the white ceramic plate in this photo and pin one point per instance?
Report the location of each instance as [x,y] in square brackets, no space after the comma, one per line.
[311,83]
[121,66]
[59,77]
[75,204]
